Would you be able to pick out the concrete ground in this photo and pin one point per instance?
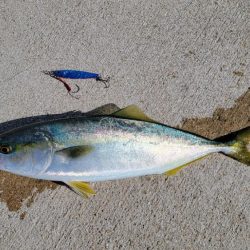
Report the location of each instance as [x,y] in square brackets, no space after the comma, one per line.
[185,63]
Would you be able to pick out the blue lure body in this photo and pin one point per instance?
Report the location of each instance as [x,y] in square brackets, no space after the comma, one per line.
[74,74]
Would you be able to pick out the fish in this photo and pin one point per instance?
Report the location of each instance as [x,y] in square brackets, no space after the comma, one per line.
[124,144]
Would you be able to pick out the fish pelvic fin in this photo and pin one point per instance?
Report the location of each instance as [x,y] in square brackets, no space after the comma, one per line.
[132,112]
[81,188]
[239,141]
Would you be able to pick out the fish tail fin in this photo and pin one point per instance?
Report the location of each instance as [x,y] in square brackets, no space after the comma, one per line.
[239,142]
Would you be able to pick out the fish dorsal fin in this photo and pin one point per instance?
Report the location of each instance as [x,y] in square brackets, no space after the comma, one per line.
[81,188]
[103,110]
[75,152]
[132,112]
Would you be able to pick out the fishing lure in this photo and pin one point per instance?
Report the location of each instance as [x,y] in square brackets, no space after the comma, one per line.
[126,143]
[75,74]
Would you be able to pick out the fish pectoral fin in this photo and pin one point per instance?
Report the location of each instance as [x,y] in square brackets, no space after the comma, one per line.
[178,169]
[75,152]
[132,112]
[81,188]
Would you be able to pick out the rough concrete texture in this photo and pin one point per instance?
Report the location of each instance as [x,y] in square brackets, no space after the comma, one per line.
[176,60]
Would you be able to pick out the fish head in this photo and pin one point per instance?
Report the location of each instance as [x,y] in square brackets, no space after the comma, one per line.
[26,152]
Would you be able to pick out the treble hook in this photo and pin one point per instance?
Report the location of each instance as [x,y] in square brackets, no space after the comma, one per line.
[66,85]
[104,80]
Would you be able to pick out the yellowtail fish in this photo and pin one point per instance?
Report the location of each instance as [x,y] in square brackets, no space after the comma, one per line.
[123,144]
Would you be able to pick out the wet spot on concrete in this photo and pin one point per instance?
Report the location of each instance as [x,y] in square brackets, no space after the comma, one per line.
[16,189]
[238,73]
[22,215]
[223,121]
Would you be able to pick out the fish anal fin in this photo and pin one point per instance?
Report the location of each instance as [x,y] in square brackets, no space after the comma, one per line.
[81,188]
[174,171]
[75,152]
[178,169]
[132,112]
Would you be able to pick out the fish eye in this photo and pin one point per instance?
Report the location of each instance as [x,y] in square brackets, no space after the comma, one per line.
[5,149]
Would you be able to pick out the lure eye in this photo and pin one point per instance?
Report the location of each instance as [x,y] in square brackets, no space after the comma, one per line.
[5,149]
